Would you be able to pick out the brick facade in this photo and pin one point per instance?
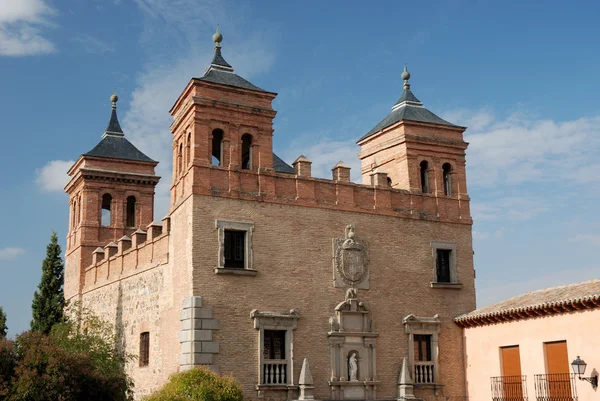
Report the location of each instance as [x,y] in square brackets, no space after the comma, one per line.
[167,279]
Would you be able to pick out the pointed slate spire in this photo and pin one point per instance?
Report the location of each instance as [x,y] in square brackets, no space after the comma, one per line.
[113,128]
[407,96]
[218,62]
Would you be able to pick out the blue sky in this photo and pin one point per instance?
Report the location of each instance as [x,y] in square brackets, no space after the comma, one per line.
[523,76]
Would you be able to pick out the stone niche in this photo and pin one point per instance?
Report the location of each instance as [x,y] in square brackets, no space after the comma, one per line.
[352,346]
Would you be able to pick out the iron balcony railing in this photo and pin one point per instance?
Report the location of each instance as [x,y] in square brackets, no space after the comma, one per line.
[509,388]
[555,387]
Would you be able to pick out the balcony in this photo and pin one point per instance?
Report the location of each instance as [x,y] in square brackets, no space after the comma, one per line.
[509,388]
[424,372]
[555,387]
[275,372]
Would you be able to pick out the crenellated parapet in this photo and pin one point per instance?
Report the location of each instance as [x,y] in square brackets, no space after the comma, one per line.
[338,193]
[129,256]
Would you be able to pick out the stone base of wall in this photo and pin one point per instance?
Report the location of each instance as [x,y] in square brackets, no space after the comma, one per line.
[196,336]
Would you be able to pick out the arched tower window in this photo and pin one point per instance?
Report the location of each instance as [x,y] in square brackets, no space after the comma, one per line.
[130,211]
[389,181]
[179,156]
[424,166]
[105,218]
[217,147]
[74,216]
[188,149]
[447,175]
[246,151]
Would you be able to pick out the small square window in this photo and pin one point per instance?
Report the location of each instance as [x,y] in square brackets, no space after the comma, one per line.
[144,349]
[234,248]
[443,265]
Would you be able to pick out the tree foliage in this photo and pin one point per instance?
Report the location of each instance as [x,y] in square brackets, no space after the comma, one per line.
[3,327]
[49,301]
[198,384]
[77,361]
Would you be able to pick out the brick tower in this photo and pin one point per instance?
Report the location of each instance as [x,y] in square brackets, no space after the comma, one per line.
[111,194]
[418,150]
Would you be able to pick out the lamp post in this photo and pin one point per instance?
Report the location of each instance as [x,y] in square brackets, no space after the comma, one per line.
[579,366]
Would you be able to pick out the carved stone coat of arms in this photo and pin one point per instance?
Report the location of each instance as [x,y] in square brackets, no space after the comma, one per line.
[350,261]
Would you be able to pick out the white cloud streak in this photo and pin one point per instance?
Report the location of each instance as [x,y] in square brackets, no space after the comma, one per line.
[10,253]
[22,23]
[93,45]
[53,176]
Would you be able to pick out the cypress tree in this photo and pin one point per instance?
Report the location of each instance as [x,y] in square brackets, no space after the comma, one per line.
[49,300]
[3,328]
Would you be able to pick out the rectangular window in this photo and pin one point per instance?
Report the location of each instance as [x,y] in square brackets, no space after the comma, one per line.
[234,248]
[443,265]
[422,347]
[275,364]
[144,349]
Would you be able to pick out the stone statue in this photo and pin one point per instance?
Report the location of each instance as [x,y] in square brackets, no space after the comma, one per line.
[353,367]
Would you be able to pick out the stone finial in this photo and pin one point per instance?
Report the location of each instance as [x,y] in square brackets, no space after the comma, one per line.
[379,179]
[341,172]
[138,237]
[302,166]
[405,383]
[406,76]
[154,229]
[124,243]
[114,99]
[217,37]
[306,382]
[97,255]
[111,249]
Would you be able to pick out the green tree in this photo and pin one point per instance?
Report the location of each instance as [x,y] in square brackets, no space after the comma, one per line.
[77,361]
[3,327]
[49,300]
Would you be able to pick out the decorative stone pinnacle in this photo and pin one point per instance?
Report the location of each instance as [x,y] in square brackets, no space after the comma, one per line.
[217,37]
[406,76]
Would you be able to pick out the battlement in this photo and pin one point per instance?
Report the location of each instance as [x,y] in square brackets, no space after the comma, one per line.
[301,189]
[142,251]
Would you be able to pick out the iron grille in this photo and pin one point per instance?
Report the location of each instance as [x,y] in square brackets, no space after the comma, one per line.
[555,387]
[509,388]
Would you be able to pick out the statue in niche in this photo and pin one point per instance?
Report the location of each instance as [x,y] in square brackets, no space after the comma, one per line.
[352,367]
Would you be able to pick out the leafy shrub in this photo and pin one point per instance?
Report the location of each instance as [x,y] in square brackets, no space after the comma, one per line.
[8,363]
[198,384]
[69,364]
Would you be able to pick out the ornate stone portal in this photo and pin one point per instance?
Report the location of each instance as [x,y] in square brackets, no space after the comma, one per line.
[352,350]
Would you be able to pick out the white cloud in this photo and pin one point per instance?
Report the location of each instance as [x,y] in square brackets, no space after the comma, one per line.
[10,253]
[53,176]
[591,239]
[513,209]
[21,25]
[93,45]
[523,149]
[188,24]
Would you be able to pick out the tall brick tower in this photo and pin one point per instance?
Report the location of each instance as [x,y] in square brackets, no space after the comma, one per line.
[220,120]
[111,194]
[418,150]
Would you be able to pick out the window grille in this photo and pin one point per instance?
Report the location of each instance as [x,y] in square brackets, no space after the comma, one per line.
[144,349]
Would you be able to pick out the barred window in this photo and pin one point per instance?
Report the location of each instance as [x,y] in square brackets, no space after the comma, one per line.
[443,265]
[234,248]
[144,349]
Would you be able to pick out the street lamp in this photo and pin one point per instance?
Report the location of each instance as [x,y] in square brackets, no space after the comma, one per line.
[579,366]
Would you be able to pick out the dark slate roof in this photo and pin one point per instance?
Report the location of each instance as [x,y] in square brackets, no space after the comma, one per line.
[117,147]
[219,60]
[221,72]
[280,166]
[228,78]
[407,108]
